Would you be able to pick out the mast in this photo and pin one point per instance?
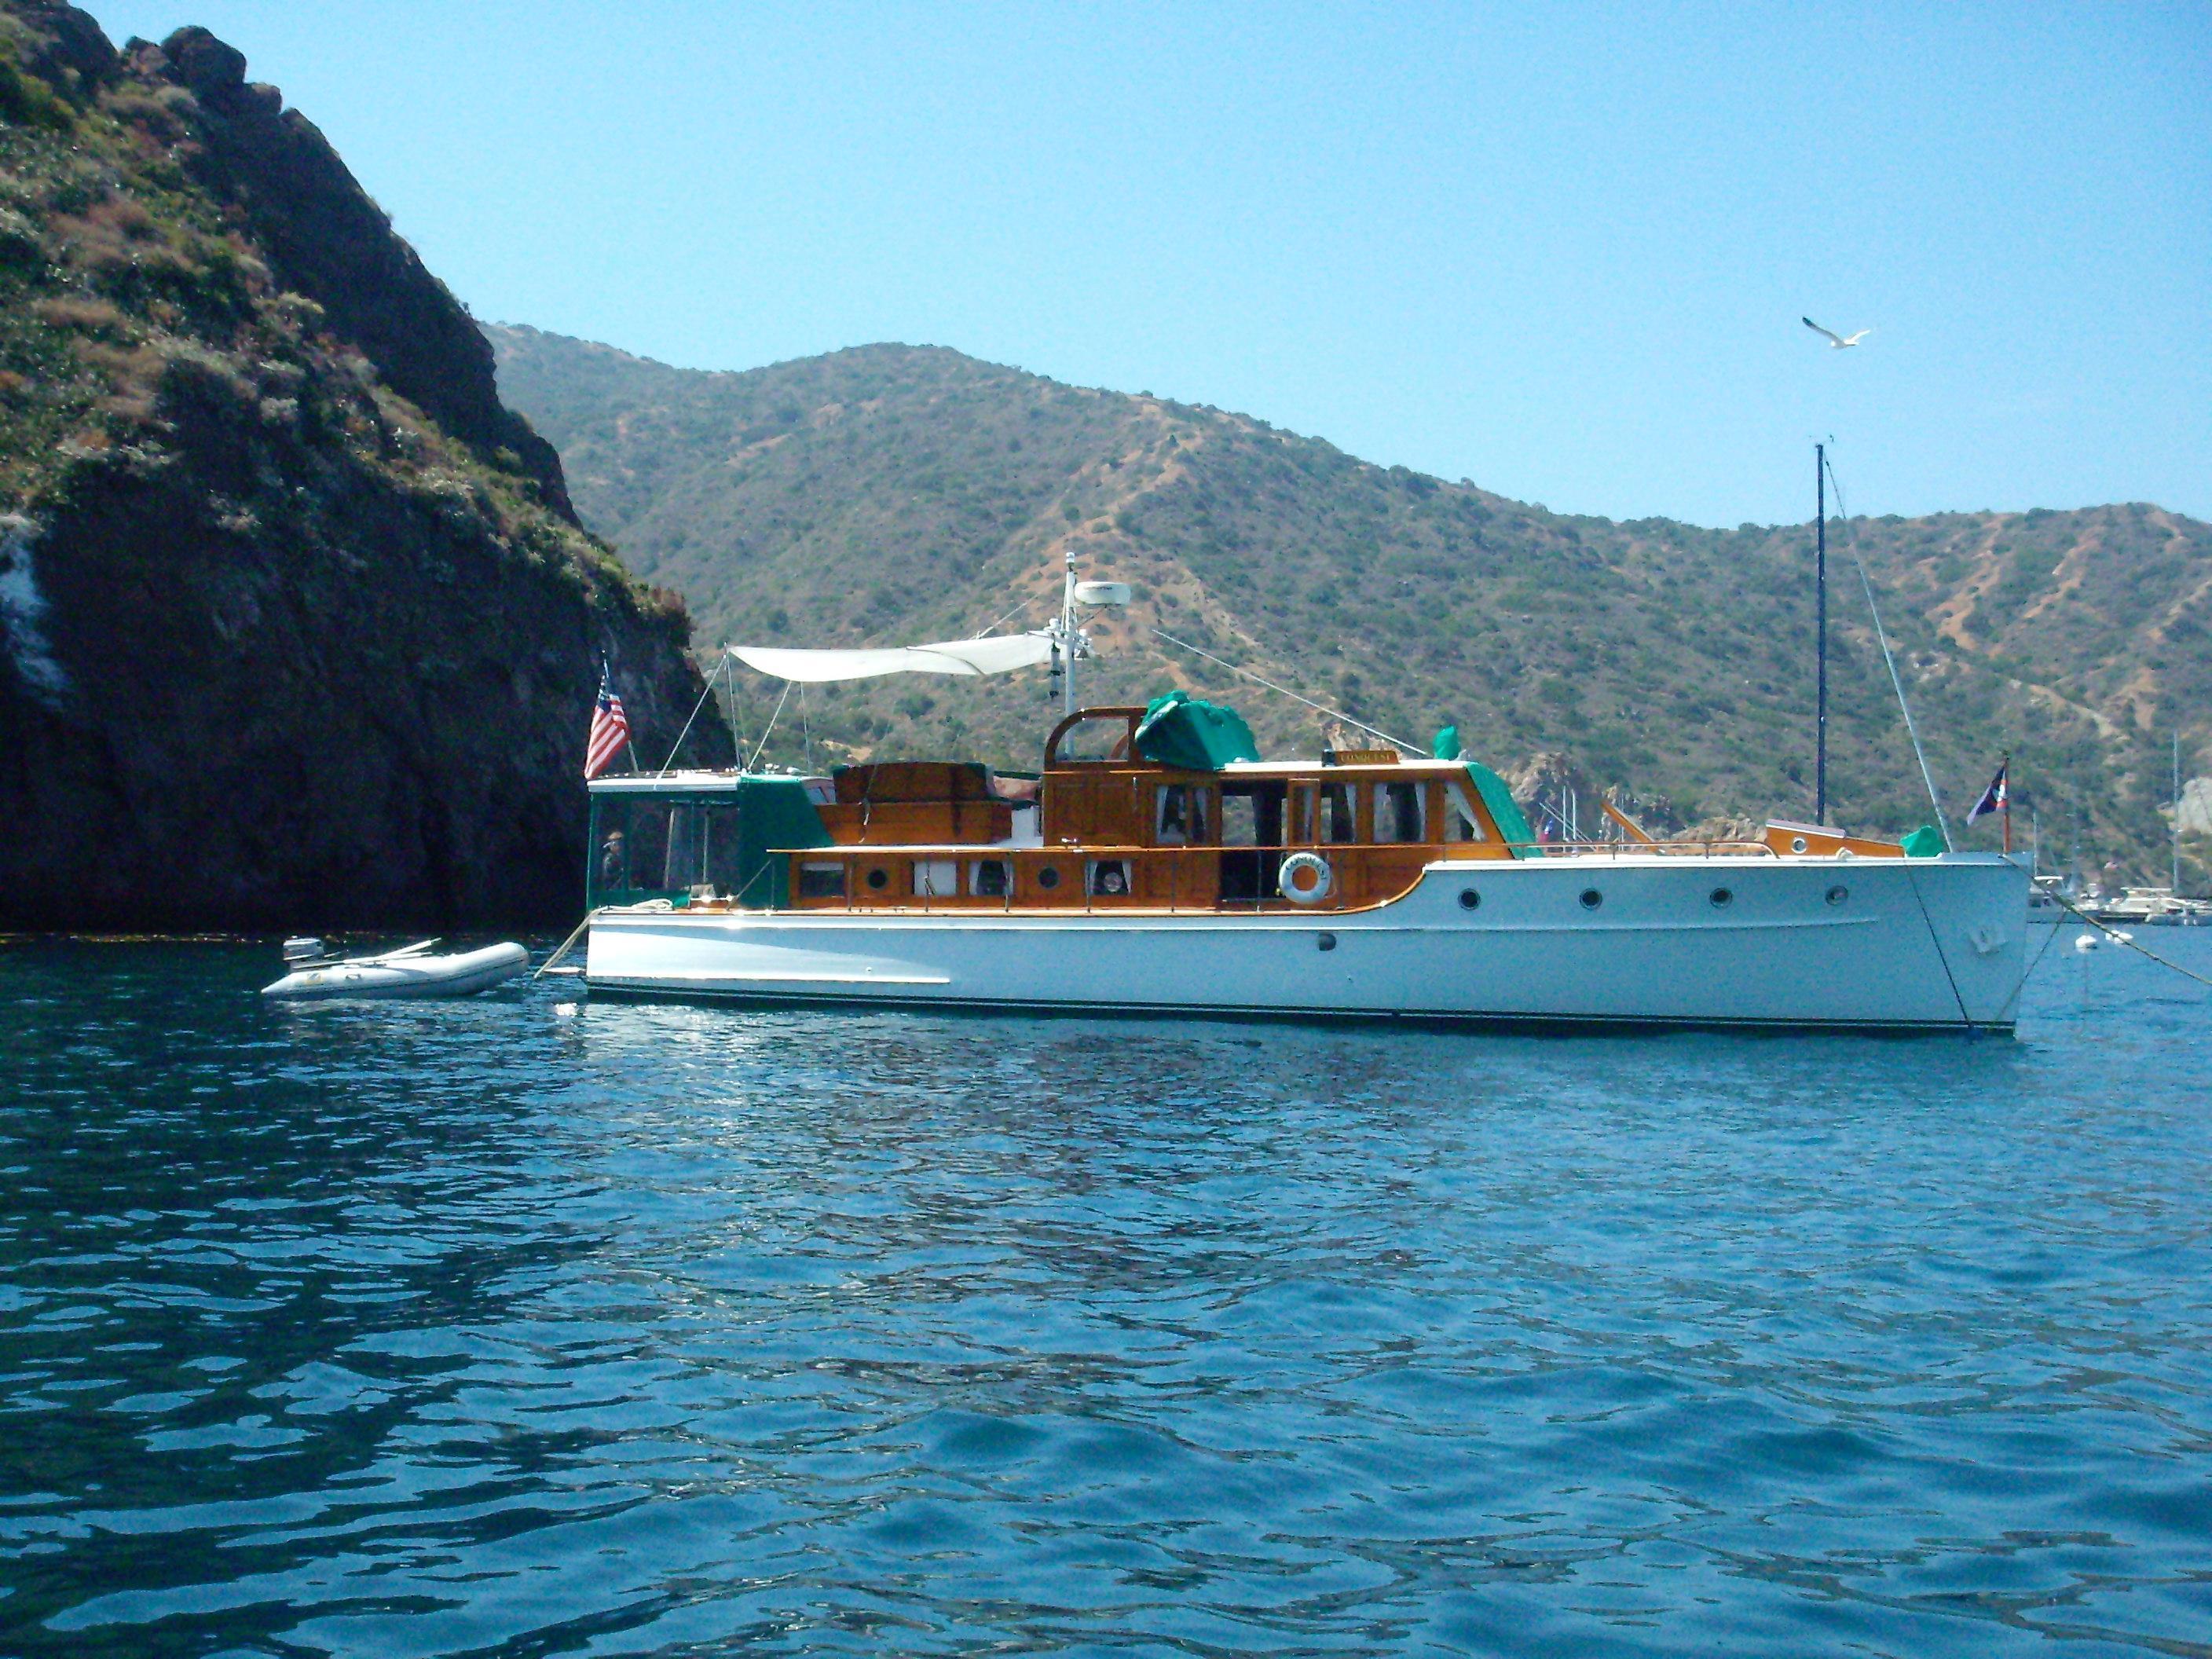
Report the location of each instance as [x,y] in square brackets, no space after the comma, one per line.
[2176,877]
[1821,635]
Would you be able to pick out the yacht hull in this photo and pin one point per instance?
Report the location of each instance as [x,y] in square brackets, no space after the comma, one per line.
[1891,944]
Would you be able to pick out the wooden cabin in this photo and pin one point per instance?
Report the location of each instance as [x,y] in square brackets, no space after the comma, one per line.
[1115,832]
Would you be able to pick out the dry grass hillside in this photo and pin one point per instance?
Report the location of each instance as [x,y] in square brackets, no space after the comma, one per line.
[893,493]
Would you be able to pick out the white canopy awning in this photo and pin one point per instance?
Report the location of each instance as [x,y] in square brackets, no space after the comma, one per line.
[999,653]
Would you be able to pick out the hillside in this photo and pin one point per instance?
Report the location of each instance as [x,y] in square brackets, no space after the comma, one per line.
[297,626]
[892,493]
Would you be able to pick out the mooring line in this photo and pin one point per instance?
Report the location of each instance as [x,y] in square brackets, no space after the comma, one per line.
[1913,887]
[2119,937]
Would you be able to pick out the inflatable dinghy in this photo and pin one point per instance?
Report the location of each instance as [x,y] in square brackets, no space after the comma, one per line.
[413,972]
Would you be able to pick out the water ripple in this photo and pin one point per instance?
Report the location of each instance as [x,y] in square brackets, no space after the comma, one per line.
[472,1329]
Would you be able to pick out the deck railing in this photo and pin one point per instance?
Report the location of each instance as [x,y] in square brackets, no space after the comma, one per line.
[1175,878]
[1641,848]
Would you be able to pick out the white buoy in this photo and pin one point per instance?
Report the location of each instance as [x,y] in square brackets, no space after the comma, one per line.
[2086,943]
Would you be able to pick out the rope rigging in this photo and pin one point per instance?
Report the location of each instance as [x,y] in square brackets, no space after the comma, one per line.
[1896,681]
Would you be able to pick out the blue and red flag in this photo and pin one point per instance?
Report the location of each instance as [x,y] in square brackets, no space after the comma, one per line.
[1996,798]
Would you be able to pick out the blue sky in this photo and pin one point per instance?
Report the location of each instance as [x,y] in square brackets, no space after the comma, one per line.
[1561,250]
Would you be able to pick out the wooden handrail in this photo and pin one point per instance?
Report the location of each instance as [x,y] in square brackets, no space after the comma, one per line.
[1634,830]
[1129,740]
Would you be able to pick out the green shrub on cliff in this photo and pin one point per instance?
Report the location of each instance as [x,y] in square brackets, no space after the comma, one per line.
[314,628]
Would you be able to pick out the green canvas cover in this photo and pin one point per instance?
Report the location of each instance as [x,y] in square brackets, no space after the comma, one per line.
[1925,842]
[1179,730]
[772,814]
[1504,811]
[1446,746]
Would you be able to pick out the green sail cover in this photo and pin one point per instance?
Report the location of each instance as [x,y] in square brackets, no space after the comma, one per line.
[1446,746]
[1504,811]
[1925,842]
[1179,730]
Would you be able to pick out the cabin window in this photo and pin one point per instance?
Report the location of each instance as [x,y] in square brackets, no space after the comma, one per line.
[1398,812]
[1048,877]
[936,878]
[721,865]
[1339,814]
[613,857]
[1109,877]
[1178,814]
[821,881]
[1240,823]
[1460,821]
[990,878]
[680,868]
[632,850]
[670,843]
[1252,814]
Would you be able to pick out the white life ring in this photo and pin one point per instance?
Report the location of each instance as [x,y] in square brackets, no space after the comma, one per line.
[1305,878]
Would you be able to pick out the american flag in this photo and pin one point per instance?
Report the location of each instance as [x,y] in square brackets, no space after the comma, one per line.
[610,727]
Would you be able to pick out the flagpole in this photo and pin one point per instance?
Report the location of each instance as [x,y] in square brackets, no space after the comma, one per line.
[2007,803]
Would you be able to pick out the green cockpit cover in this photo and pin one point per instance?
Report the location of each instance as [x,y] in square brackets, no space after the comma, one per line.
[1925,842]
[1504,811]
[1179,730]
[772,814]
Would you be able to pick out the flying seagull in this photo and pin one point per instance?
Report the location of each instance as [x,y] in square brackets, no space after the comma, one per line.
[1834,339]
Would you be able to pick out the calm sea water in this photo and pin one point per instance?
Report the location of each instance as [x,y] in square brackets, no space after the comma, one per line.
[478,1328]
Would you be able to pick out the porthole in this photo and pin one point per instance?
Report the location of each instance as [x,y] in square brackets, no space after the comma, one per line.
[1722,898]
[1469,899]
[879,878]
[1839,893]
[1048,877]
[1796,843]
[1592,898]
[1325,941]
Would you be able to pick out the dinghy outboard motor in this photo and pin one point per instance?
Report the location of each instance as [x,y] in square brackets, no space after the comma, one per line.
[298,952]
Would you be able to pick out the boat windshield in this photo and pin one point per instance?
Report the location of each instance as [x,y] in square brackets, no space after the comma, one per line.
[686,842]
[646,846]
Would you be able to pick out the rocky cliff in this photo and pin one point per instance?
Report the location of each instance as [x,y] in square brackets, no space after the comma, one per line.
[298,627]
